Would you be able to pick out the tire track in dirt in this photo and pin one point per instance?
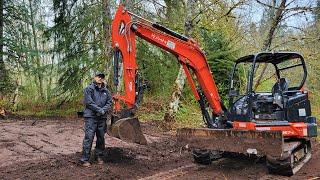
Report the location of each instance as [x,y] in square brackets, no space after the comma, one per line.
[170,174]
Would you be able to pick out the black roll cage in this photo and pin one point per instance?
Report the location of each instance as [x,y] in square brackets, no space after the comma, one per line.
[266,57]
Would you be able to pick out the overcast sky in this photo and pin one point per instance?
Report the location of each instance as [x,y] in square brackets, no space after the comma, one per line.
[256,11]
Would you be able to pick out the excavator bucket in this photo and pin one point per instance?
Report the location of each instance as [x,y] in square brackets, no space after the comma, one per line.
[127,129]
[230,140]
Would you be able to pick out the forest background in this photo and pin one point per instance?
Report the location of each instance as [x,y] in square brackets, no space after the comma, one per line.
[50,49]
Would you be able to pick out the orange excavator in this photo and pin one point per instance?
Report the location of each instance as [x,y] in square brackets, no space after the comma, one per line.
[277,124]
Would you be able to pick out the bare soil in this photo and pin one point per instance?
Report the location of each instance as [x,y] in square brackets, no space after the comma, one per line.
[51,148]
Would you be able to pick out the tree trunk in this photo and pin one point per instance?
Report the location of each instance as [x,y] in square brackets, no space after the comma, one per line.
[15,95]
[181,78]
[107,41]
[2,65]
[317,13]
[37,58]
[127,3]
[275,21]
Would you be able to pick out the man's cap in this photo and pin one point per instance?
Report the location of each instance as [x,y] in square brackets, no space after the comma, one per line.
[100,74]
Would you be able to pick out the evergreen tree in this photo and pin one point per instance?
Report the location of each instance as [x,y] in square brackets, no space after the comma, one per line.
[3,72]
[79,43]
[220,57]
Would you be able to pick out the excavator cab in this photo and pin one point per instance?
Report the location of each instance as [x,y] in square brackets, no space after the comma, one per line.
[271,90]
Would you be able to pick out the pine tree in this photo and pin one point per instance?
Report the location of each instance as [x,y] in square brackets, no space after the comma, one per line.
[3,73]
[221,57]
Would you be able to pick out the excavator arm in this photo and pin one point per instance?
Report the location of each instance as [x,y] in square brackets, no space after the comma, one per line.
[126,26]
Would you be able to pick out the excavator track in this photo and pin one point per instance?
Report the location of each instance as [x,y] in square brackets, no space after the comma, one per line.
[296,154]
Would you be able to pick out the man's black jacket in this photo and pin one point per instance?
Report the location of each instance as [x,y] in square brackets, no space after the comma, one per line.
[98,101]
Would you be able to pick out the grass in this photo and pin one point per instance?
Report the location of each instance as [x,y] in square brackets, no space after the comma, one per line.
[189,116]
[154,108]
[72,112]
[48,109]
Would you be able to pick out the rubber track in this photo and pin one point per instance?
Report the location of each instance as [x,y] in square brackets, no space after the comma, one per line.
[283,167]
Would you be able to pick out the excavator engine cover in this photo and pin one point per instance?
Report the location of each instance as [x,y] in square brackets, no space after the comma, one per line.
[127,129]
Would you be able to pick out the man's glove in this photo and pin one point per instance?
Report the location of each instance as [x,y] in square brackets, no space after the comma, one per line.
[101,113]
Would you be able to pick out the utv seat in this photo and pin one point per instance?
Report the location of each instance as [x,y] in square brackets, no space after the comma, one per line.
[280,86]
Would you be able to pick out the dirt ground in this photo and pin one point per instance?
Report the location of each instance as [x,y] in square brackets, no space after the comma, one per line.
[51,148]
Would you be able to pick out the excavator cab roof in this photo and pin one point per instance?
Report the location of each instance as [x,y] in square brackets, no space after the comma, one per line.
[270,57]
[289,65]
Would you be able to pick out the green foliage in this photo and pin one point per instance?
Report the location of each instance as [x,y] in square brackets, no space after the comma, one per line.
[153,108]
[79,38]
[189,115]
[5,104]
[29,107]
[6,85]
[317,12]
[157,67]
[174,13]
[160,68]
[26,50]
[221,57]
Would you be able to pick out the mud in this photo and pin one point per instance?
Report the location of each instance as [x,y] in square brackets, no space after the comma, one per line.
[51,148]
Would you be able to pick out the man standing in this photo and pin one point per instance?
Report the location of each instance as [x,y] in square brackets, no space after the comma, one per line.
[98,103]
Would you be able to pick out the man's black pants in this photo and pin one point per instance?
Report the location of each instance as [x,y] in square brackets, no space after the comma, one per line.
[93,126]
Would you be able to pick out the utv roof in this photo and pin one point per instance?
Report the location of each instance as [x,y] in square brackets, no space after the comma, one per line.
[270,57]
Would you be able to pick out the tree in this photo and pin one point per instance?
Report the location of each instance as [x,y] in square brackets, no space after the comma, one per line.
[276,16]
[107,34]
[279,15]
[181,77]
[317,13]
[2,66]
[39,74]
[6,86]
[80,37]
[221,57]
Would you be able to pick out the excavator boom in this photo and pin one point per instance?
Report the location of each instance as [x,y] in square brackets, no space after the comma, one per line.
[126,27]
[124,33]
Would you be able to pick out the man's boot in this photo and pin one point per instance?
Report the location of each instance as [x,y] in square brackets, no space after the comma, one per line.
[100,160]
[86,164]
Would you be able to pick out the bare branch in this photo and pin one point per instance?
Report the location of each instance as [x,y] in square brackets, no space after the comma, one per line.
[240,3]
[297,8]
[293,14]
[297,28]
